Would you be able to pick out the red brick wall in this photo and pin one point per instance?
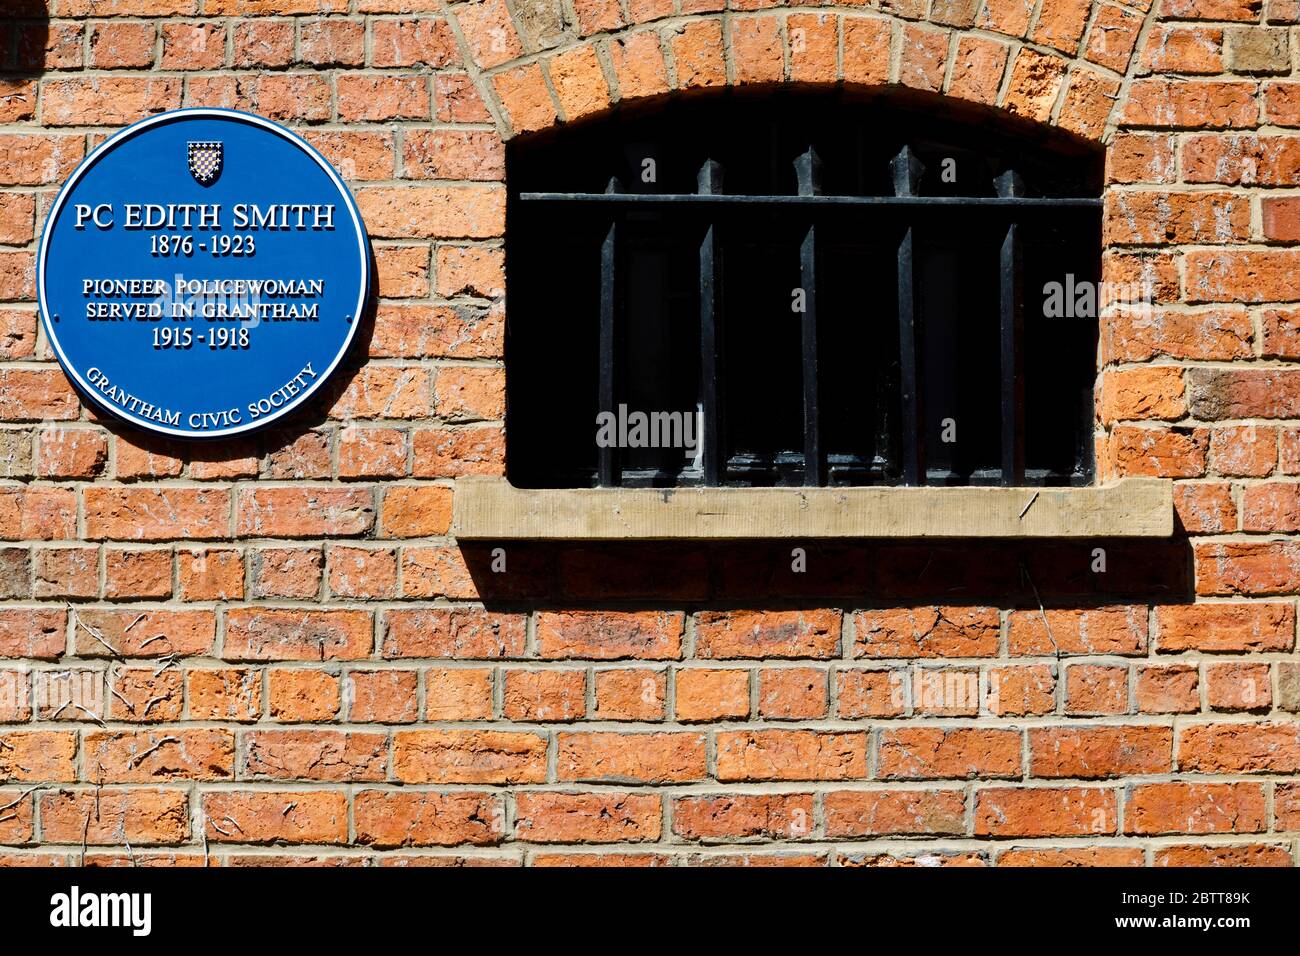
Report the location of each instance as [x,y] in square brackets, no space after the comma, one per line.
[275,652]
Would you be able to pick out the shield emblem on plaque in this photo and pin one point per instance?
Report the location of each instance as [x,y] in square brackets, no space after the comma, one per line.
[205,161]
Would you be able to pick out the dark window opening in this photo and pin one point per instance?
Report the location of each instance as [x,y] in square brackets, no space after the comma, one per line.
[817,290]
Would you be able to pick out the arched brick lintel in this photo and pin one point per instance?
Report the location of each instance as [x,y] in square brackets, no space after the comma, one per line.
[1063,63]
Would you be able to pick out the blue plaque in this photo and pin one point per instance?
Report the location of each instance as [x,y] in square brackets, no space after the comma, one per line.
[202,273]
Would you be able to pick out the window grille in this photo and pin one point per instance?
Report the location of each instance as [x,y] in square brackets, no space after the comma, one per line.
[837,292]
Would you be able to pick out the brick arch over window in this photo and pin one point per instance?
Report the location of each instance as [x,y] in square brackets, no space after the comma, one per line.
[1062,62]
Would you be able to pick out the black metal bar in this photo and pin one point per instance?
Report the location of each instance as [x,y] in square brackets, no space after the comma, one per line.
[652,199]
[712,432]
[808,175]
[907,171]
[607,454]
[1012,338]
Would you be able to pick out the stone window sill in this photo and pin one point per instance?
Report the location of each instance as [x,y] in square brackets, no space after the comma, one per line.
[492,508]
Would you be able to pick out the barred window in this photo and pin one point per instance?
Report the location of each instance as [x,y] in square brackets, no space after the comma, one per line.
[801,289]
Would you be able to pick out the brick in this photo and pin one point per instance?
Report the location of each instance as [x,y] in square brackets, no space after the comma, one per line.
[453,154]
[314,755]
[1035,83]
[1205,508]
[418,331]
[42,513]
[461,632]
[456,100]
[609,635]
[412,43]
[138,694]
[210,575]
[639,67]
[402,271]
[587,817]
[16,216]
[357,155]
[34,394]
[1243,451]
[752,634]
[268,817]
[1225,627]
[436,572]
[469,394]
[304,456]
[1093,753]
[1179,48]
[298,634]
[977,69]
[813,44]
[1158,808]
[859,813]
[1251,568]
[705,694]
[927,632]
[144,633]
[261,43]
[1028,690]
[303,695]
[746,755]
[130,573]
[756,50]
[489,32]
[66,572]
[469,756]
[145,817]
[719,819]
[193,46]
[470,211]
[15,454]
[631,758]
[107,100]
[548,695]
[1153,392]
[1149,158]
[415,511]
[872,693]
[42,756]
[365,573]
[1252,855]
[331,41]
[227,694]
[1010,17]
[156,514]
[1046,811]
[629,694]
[1241,159]
[937,753]
[452,452]
[1206,104]
[470,270]
[1113,36]
[697,51]
[1238,687]
[1096,689]
[375,99]
[387,819]
[924,52]
[1135,450]
[382,697]
[797,693]
[287,572]
[37,159]
[525,98]
[866,50]
[1257,50]
[159,755]
[287,512]
[1168,689]
[1156,217]
[458,694]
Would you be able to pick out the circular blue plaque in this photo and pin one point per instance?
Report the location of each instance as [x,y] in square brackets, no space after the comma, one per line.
[202,273]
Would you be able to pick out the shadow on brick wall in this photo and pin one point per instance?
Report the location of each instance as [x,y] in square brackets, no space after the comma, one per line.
[857,574]
[27,43]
